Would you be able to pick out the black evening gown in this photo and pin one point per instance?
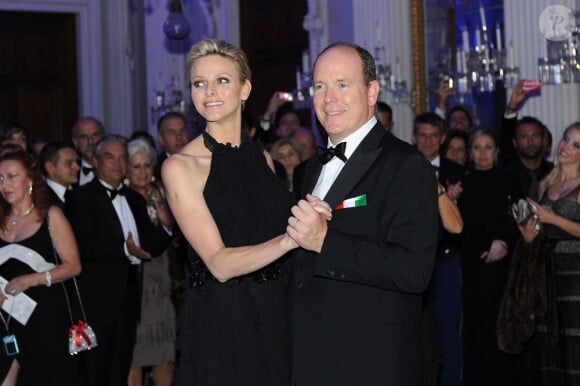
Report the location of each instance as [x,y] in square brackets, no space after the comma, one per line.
[43,342]
[558,333]
[485,206]
[236,333]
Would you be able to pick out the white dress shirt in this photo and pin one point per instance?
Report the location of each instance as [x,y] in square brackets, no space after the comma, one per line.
[332,168]
[83,179]
[436,163]
[127,220]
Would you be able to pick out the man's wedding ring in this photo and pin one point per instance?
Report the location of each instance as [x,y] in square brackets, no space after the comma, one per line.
[538,226]
[12,291]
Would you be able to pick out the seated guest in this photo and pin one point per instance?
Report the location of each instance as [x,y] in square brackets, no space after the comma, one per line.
[59,163]
[156,330]
[115,234]
[32,233]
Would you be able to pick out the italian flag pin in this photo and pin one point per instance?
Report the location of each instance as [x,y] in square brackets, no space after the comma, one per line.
[354,202]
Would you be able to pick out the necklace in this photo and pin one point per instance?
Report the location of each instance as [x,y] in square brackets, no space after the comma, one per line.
[15,219]
[563,183]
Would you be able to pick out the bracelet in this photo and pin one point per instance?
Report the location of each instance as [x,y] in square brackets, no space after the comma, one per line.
[48,278]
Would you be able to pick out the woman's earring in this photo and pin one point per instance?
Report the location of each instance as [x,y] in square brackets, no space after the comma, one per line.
[152,178]
[29,189]
[126,181]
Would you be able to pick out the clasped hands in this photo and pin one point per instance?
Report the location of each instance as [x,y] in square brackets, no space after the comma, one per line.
[307,226]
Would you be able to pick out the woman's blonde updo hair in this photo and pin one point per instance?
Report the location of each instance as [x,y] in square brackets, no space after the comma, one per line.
[222,48]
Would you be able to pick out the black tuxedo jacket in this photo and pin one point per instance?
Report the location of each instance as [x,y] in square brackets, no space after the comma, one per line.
[107,276]
[54,198]
[357,303]
[161,157]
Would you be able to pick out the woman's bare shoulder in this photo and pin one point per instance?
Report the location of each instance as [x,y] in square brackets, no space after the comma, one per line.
[191,164]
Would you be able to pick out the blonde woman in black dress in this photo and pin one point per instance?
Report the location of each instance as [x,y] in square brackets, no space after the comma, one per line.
[234,212]
[558,221]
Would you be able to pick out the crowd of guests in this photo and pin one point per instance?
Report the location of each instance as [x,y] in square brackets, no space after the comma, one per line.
[505,304]
[91,205]
[96,207]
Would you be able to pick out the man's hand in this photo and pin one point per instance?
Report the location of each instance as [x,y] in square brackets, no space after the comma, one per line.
[517,97]
[136,251]
[443,92]
[307,226]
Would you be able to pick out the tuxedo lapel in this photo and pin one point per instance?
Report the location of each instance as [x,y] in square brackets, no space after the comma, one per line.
[356,167]
[108,210]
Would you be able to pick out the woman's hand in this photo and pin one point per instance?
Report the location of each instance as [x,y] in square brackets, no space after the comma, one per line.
[21,284]
[544,214]
[530,229]
[497,251]
[320,206]
[163,213]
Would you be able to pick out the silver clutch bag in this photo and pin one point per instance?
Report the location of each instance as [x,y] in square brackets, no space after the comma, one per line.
[522,211]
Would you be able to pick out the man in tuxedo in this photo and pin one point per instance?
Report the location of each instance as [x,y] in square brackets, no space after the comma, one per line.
[114,234]
[359,277]
[173,135]
[59,162]
[86,132]
[442,300]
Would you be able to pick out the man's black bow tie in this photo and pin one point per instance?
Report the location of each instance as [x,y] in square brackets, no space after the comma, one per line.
[326,154]
[87,170]
[113,192]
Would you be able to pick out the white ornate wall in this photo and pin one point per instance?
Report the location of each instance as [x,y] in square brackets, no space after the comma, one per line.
[558,105]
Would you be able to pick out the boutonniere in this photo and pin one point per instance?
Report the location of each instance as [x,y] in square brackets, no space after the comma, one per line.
[353,202]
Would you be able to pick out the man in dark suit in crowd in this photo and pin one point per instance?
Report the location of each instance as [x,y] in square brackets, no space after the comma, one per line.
[114,234]
[173,135]
[86,132]
[442,300]
[59,163]
[523,145]
[358,279]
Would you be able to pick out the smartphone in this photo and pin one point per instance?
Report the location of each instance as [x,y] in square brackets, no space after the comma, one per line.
[287,96]
[530,85]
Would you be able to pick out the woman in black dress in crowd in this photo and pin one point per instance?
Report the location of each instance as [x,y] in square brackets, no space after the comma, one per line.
[488,234]
[558,220]
[233,211]
[28,230]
